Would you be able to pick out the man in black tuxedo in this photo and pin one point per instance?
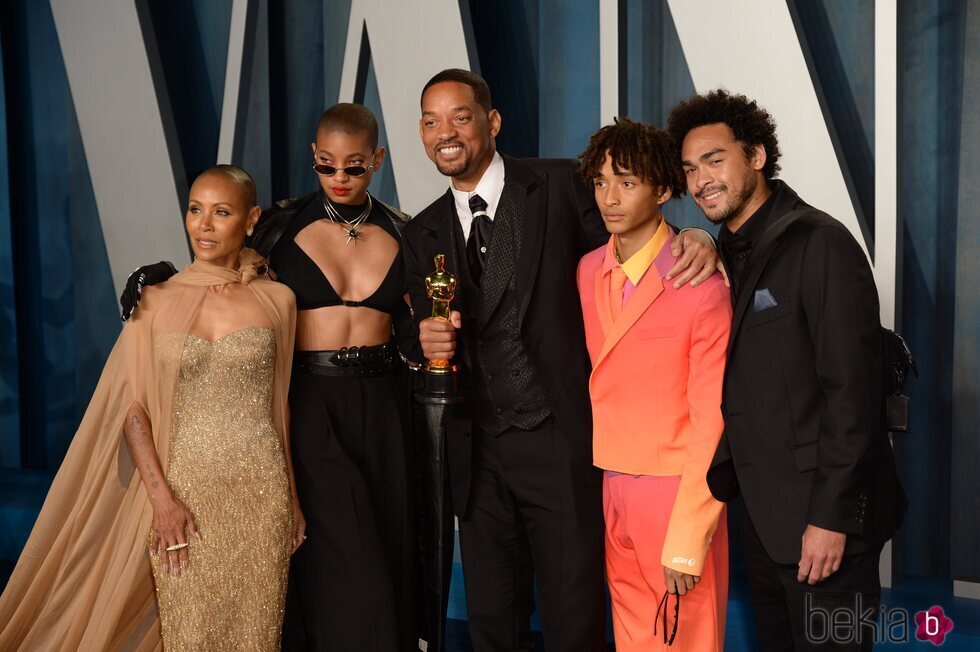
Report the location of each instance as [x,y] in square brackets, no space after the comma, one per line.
[804,440]
[520,448]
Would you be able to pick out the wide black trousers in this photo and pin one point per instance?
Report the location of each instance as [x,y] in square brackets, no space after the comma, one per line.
[352,584]
[534,520]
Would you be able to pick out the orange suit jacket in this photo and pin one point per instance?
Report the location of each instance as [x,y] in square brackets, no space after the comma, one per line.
[656,389]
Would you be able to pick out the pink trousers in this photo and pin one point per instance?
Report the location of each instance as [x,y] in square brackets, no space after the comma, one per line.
[637,510]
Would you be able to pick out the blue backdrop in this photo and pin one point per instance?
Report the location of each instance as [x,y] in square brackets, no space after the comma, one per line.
[57,306]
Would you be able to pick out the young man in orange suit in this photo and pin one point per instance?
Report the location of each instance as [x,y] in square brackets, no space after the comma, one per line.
[658,358]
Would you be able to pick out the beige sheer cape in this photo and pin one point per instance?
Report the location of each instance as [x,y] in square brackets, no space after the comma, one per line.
[83,581]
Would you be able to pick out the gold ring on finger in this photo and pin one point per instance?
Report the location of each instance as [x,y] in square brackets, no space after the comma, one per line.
[178,546]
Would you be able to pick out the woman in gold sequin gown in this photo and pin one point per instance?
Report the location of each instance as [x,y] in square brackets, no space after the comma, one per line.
[182,452]
[228,469]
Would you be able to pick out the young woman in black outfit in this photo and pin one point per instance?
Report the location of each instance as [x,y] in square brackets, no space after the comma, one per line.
[352,588]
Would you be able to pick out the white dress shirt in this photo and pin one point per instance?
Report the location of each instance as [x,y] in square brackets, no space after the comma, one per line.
[490,187]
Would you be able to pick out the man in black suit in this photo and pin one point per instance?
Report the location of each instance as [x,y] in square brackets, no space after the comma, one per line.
[520,448]
[804,439]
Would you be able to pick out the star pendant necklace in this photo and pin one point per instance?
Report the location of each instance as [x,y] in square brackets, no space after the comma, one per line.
[349,228]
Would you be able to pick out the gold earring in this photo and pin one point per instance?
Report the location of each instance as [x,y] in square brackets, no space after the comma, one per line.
[249,232]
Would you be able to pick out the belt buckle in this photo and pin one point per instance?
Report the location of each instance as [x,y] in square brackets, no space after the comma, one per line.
[347,357]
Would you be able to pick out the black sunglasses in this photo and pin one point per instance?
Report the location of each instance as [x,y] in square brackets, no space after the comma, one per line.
[677,616]
[351,171]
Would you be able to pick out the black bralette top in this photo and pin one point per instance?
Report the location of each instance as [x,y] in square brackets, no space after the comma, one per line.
[311,287]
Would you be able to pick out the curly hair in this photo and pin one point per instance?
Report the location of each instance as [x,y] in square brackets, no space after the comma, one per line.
[640,148]
[750,123]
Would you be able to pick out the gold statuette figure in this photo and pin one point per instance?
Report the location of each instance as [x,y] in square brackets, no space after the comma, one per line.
[440,286]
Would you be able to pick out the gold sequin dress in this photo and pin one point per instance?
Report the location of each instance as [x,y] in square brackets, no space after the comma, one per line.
[228,467]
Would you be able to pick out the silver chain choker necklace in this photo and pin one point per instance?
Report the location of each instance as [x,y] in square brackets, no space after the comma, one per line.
[348,228]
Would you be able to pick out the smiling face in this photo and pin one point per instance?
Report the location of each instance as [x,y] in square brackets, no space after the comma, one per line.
[342,150]
[218,217]
[457,132]
[727,184]
[630,206]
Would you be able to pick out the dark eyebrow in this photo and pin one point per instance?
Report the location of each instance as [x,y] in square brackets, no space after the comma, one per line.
[198,202]
[622,172]
[326,153]
[705,156]
[710,153]
[455,109]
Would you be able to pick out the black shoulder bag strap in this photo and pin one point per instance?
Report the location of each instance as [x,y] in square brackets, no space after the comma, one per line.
[779,227]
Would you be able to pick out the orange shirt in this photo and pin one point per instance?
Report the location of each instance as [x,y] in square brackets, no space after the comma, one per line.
[637,265]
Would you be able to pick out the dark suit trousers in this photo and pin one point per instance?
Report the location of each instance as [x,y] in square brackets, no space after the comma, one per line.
[534,517]
[794,616]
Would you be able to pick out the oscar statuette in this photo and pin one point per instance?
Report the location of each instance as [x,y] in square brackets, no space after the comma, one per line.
[439,392]
[440,375]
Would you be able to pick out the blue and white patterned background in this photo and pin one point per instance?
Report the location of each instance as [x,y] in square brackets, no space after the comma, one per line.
[57,300]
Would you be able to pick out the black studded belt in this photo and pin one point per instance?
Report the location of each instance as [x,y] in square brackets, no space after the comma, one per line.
[351,362]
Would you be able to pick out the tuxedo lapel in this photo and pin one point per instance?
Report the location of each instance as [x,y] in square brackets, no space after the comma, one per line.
[757,266]
[442,239]
[446,241]
[791,208]
[531,205]
[730,273]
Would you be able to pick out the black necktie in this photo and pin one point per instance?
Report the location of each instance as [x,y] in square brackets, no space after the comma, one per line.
[479,241]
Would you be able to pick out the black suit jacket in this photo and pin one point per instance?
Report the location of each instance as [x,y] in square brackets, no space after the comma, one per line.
[560,224]
[804,439]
